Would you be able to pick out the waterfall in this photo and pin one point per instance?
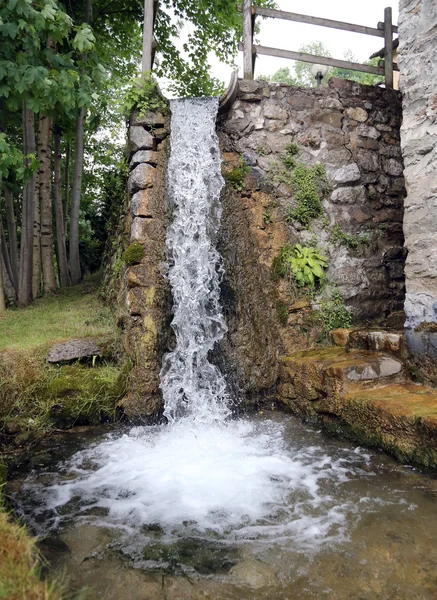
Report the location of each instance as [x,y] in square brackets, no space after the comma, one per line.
[193,387]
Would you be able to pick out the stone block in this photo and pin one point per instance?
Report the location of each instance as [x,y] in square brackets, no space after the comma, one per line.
[368,161]
[357,114]
[340,337]
[139,275]
[349,195]
[140,178]
[393,167]
[142,229]
[144,156]
[149,119]
[140,204]
[140,139]
[369,132]
[346,174]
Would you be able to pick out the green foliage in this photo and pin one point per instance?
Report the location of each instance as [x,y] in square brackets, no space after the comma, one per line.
[267,217]
[143,96]
[288,159]
[236,176]
[303,264]
[133,254]
[333,313]
[282,313]
[282,75]
[309,185]
[338,236]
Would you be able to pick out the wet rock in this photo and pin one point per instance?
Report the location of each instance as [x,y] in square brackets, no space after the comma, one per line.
[255,574]
[144,156]
[382,367]
[73,350]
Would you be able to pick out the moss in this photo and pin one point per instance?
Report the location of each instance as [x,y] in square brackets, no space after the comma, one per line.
[133,254]
[282,313]
[427,326]
[235,177]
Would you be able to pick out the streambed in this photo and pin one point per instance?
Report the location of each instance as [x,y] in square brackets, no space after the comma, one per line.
[262,507]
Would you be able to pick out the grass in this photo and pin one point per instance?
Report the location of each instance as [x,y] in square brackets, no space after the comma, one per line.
[74,312]
[38,397]
[20,567]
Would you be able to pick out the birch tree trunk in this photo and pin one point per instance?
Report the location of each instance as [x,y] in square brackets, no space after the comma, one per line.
[64,277]
[66,186]
[76,274]
[26,252]
[36,252]
[45,197]
[12,234]
[2,293]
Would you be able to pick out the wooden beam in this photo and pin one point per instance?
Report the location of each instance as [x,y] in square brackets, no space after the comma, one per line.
[248,62]
[319,60]
[280,14]
[388,51]
[146,63]
[393,27]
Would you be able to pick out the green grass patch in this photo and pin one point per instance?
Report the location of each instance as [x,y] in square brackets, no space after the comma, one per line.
[76,311]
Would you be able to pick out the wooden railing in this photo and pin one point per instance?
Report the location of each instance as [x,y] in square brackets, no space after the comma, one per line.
[384,30]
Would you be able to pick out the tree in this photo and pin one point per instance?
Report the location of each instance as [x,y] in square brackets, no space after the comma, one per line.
[303,76]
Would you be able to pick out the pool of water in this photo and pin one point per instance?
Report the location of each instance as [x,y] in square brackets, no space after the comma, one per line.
[261,507]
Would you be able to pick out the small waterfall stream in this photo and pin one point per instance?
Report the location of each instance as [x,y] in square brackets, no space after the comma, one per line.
[190,384]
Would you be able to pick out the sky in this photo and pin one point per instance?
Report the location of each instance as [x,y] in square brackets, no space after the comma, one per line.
[288,35]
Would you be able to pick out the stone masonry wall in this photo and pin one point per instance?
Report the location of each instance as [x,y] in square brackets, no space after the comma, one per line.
[418,67]
[353,130]
[146,326]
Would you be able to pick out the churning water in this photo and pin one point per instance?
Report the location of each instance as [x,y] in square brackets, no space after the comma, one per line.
[206,492]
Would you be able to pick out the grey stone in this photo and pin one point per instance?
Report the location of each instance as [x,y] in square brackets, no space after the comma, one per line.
[347,174]
[140,139]
[349,195]
[141,177]
[368,131]
[368,161]
[72,350]
[394,167]
[254,573]
[144,156]
[150,119]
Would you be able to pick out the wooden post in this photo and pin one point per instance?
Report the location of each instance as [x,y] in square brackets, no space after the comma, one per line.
[388,54]
[147,36]
[247,40]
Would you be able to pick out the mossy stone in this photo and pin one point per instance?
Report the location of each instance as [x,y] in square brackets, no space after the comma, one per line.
[133,254]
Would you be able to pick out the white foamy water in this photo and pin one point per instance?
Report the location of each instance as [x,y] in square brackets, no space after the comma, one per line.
[241,480]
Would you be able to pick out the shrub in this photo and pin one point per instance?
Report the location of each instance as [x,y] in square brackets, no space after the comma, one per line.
[333,313]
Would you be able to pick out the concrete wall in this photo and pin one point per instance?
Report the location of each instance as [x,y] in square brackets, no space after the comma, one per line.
[418,67]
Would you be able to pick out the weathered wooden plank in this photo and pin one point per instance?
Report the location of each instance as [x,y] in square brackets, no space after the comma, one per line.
[388,51]
[393,27]
[319,60]
[288,16]
[146,64]
[247,40]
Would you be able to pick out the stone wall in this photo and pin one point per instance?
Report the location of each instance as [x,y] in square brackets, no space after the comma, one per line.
[418,67]
[146,298]
[352,130]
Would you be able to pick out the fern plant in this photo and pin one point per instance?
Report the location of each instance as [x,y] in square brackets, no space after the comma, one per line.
[304,264]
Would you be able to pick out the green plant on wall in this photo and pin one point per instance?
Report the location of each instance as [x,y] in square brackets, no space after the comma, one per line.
[143,95]
[236,176]
[338,236]
[303,264]
[333,313]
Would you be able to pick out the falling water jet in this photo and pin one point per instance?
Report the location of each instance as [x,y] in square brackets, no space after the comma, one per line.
[192,387]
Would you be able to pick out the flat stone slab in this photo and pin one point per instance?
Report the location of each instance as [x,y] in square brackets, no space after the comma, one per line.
[72,350]
[378,368]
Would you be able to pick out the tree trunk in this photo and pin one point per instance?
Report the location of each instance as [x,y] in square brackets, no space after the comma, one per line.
[26,252]
[64,276]
[6,258]
[2,293]
[36,252]
[66,186]
[45,196]
[75,270]
[12,234]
